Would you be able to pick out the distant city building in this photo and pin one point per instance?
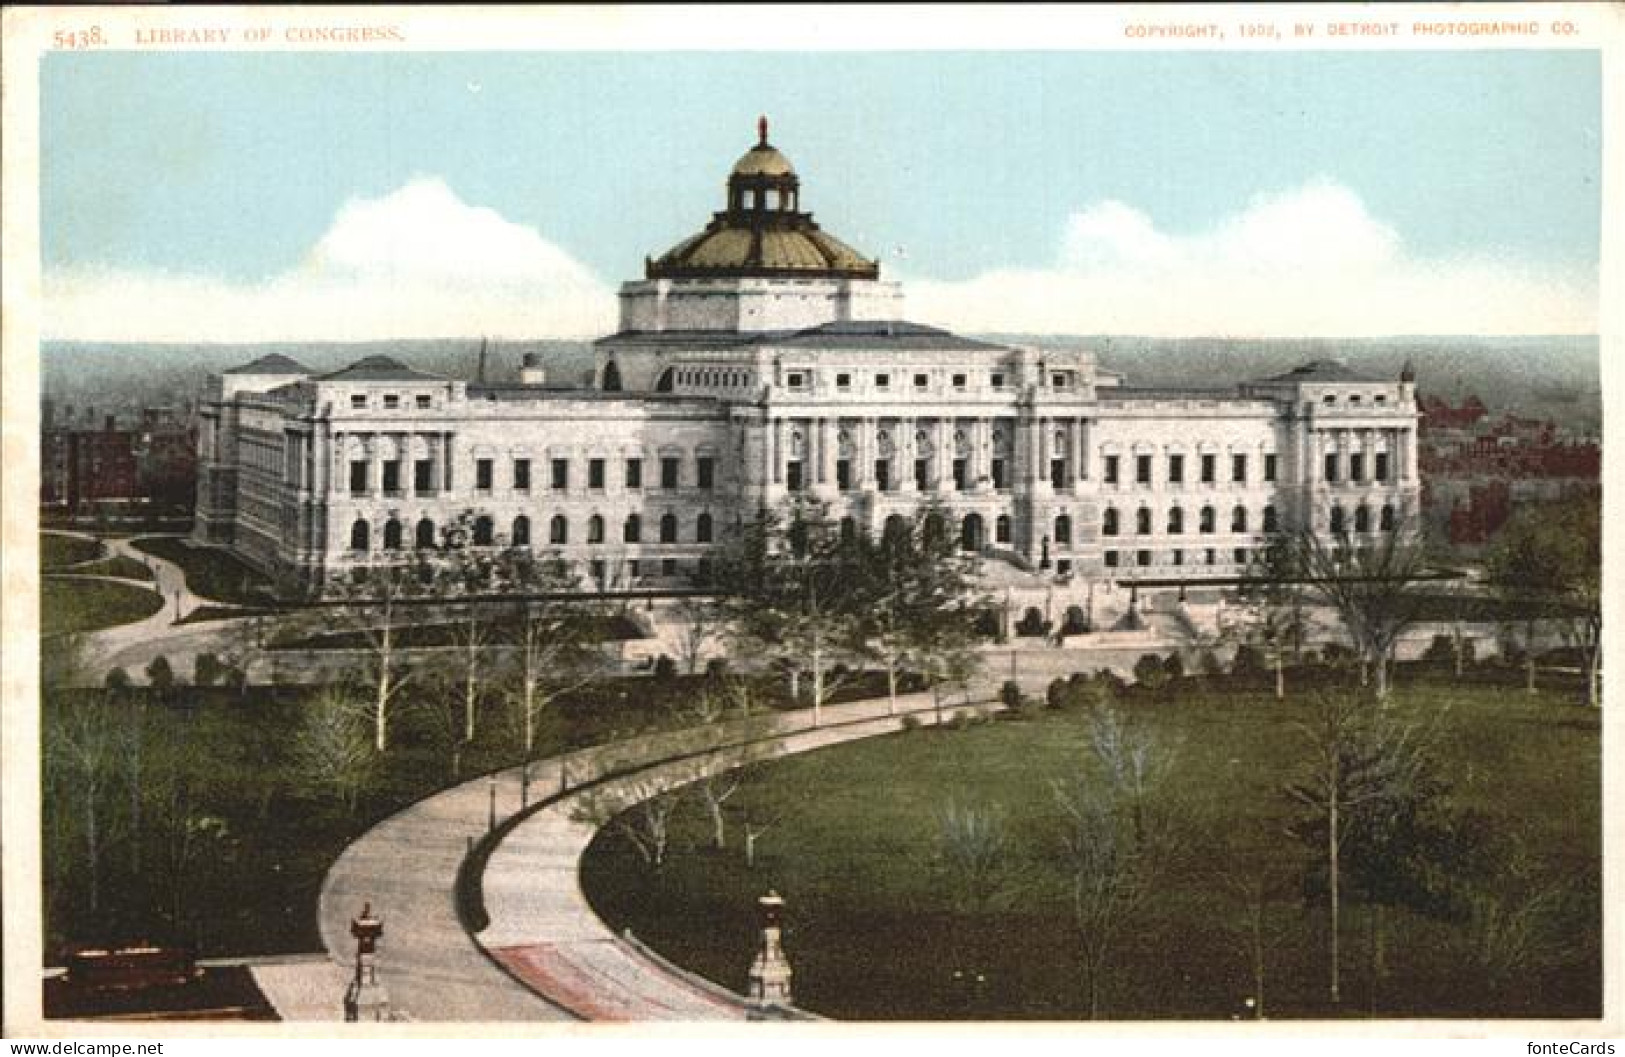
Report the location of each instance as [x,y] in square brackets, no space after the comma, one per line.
[763,358]
[85,461]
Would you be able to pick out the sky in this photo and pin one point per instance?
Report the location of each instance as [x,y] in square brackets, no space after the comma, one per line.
[289,196]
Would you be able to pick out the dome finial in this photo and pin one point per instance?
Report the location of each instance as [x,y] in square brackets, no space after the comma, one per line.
[761,130]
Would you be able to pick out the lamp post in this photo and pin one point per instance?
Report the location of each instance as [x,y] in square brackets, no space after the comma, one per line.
[491,788]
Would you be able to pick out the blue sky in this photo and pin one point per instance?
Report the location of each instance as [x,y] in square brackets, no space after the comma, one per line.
[1066,174]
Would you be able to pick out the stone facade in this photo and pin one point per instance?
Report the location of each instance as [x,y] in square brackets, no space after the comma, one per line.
[761,359]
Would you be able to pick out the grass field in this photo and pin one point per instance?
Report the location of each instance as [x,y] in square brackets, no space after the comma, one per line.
[57,551]
[872,934]
[210,572]
[69,605]
[118,565]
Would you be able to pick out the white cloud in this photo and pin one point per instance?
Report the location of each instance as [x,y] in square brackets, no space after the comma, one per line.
[1309,262]
[416,263]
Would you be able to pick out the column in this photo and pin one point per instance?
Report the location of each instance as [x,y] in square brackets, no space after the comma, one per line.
[863,454]
[981,462]
[827,449]
[945,454]
[1046,449]
[906,454]
[1082,437]
[778,451]
[375,465]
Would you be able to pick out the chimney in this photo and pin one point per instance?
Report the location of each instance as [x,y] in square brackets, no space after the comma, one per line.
[531,372]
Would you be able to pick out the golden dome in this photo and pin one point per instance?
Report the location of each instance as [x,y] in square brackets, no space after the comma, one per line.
[763,231]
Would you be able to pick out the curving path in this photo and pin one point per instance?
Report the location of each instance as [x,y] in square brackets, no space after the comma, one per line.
[544,955]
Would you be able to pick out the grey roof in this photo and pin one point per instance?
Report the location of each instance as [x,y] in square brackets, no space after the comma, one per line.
[1165,392]
[850,334]
[379,369]
[270,363]
[1323,371]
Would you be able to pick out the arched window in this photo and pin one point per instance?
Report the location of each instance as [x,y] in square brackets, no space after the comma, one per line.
[1337,520]
[1001,529]
[849,530]
[360,535]
[702,529]
[1272,520]
[595,529]
[970,532]
[632,531]
[1142,521]
[1205,522]
[425,533]
[668,528]
[1176,520]
[1063,530]
[484,531]
[1238,519]
[896,529]
[1387,517]
[1362,518]
[558,529]
[1108,522]
[521,531]
[612,377]
[392,535]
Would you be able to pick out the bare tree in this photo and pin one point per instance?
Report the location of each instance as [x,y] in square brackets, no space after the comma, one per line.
[973,846]
[437,700]
[1354,758]
[331,750]
[640,812]
[1547,564]
[700,624]
[1115,840]
[86,747]
[551,631]
[374,605]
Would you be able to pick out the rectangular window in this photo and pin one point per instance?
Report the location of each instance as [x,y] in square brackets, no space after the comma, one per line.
[1380,471]
[1179,557]
[998,380]
[1111,559]
[843,381]
[521,475]
[843,474]
[1209,468]
[705,471]
[1210,556]
[668,567]
[423,476]
[1331,466]
[921,481]
[1059,381]
[1063,567]
[358,401]
[960,466]
[959,381]
[882,381]
[792,476]
[596,570]
[1110,475]
[1241,555]
[670,471]
[1238,469]
[921,381]
[483,474]
[795,380]
[1057,474]
[358,476]
[634,473]
[882,475]
[422,400]
[1357,467]
[595,473]
[392,477]
[1142,469]
[561,474]
[392,401]
[998,474]
[1176,469]
[1270,467]
[1142,558]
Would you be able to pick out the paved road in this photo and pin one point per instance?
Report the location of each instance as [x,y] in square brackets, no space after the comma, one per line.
[541,927]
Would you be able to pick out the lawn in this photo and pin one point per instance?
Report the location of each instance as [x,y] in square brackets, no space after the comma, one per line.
[57,551]
[210,572]
[856,849]
[125,568]
[213,834]
[428,636]
[68,605]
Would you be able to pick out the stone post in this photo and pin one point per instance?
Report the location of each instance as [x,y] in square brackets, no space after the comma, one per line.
[365,999]
[770,971]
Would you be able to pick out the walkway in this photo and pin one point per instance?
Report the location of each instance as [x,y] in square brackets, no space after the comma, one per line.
[541,929]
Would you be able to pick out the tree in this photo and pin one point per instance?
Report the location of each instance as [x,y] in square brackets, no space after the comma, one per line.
[1115,837]
[551,629]
[1358,765]
[722,771]
[973,849]
[699,622]
[793,586]
[1547,565]
[921,602]
[437,701]
[1373,584]
[331,750]
[86,748]
[374,598]
[639,811]
[160,675]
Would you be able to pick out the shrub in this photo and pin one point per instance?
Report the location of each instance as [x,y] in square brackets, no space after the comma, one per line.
[665,668]
[1209,665]
[1174,666]
[1247,663]
[117,679]
[1058,694]
[989,626]
[1010,694]
[1336,655]
[1076,623]
[910,722]
[207,669]
[1150,672]
[159,673]
[1032,624]
[716,667]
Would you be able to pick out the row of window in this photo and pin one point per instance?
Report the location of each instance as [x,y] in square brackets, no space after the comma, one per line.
[519,478]
[959,381]
[390,401]
[1207,468]
[483,533]
[1354,399]
[1143,559]
[1206,522]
